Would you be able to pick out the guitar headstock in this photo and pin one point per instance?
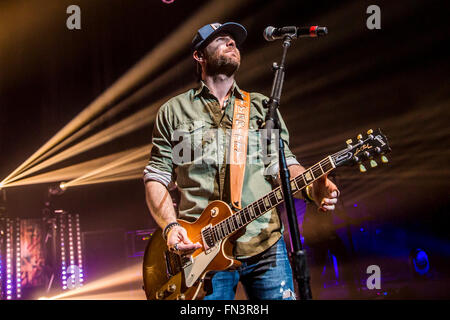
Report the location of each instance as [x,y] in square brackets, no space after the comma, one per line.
[373,145]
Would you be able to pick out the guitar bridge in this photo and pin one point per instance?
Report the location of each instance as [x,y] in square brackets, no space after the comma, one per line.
[175,263]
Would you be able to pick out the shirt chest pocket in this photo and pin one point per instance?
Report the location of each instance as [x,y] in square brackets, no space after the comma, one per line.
[192,142]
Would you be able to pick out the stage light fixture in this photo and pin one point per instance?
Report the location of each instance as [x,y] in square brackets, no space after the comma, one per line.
[9,270]
[55,190]
[420,261]
[18,257]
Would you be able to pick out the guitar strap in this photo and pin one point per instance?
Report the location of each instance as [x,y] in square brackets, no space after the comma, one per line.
[238,147]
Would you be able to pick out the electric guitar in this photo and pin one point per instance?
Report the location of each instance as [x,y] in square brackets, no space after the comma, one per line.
[169,276]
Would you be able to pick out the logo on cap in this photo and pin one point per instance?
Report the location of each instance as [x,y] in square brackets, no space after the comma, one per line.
[215,25]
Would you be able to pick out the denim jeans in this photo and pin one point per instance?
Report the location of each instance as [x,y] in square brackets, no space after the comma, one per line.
[266,276]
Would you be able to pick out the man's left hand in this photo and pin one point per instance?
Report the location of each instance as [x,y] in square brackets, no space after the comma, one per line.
[325,194]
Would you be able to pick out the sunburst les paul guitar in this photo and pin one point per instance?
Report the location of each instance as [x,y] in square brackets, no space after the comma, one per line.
[169,276]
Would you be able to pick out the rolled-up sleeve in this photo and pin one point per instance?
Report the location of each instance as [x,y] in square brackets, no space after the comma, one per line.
[160,165]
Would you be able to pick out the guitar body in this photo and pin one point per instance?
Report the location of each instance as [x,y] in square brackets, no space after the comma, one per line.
[163,277]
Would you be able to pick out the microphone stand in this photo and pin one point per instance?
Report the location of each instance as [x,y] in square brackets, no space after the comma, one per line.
[298,254]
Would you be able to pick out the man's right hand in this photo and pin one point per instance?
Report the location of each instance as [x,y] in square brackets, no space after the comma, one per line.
[178,241]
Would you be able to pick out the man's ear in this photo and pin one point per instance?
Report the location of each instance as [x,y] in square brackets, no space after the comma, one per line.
[198,56]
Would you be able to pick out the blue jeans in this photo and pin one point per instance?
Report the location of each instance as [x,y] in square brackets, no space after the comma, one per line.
[266,276]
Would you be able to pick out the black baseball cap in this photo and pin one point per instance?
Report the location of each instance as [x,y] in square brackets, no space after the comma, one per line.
[207,32]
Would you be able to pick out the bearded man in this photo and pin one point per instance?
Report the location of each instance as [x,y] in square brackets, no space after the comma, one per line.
[265,270]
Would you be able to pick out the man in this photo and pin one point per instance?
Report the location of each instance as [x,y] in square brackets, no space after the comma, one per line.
[265,271]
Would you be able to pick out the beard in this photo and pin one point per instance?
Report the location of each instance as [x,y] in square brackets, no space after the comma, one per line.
[219,63]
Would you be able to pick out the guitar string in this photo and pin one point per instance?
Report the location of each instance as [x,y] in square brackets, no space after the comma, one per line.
[229,225]
[316,167]
[226,232]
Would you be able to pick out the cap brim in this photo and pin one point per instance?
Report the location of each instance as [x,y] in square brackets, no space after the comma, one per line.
[236,30]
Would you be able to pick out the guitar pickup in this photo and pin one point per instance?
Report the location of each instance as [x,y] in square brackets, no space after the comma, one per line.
[208,238]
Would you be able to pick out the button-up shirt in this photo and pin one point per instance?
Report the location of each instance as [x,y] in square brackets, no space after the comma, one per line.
[190,147]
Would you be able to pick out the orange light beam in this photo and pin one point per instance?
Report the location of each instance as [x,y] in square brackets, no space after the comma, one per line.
[133,155]
[133,122]
[172,45]
[68,173]
[123,105]
[128,275]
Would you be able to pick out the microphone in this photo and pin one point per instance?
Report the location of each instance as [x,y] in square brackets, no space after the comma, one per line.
[271,33]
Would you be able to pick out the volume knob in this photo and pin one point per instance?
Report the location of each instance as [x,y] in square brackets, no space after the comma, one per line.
[171,287]
[160,295]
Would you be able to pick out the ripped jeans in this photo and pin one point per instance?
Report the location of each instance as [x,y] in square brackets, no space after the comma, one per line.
[266,276]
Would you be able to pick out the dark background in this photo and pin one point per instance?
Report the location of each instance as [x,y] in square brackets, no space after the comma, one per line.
[395,78]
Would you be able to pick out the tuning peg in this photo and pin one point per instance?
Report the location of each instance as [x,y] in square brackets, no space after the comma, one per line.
[370,131]
[349,141]
[384,159]
[373,163]
[359,137]
[362,168]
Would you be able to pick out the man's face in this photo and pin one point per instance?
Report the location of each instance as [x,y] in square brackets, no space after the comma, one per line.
[222,56]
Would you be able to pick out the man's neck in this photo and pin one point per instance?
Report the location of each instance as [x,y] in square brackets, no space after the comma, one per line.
[219,85]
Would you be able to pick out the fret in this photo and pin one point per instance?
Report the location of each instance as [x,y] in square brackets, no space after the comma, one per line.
[300,182]
[315,172]
[328,164]
[223,225]
[259,207]
[293,186]
[278,194]
[248,216]
[227,225]
[224,229]
[273,199]
[276,200]
[309,176]
[233,220]
[252,212]
[267,202]
[242,216]
[230,224]
[304,179]
[320,166]
[215,234]
[220,231]
[238,220]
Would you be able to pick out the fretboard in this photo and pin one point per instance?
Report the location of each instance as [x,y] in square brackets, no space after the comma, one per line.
[271,200]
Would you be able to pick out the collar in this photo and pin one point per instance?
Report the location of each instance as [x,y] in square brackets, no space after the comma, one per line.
[234,89]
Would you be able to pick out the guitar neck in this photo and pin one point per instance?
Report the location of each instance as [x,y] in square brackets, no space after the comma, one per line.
[256,209]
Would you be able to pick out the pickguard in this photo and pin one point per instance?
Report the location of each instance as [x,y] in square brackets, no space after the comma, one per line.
[194,270]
